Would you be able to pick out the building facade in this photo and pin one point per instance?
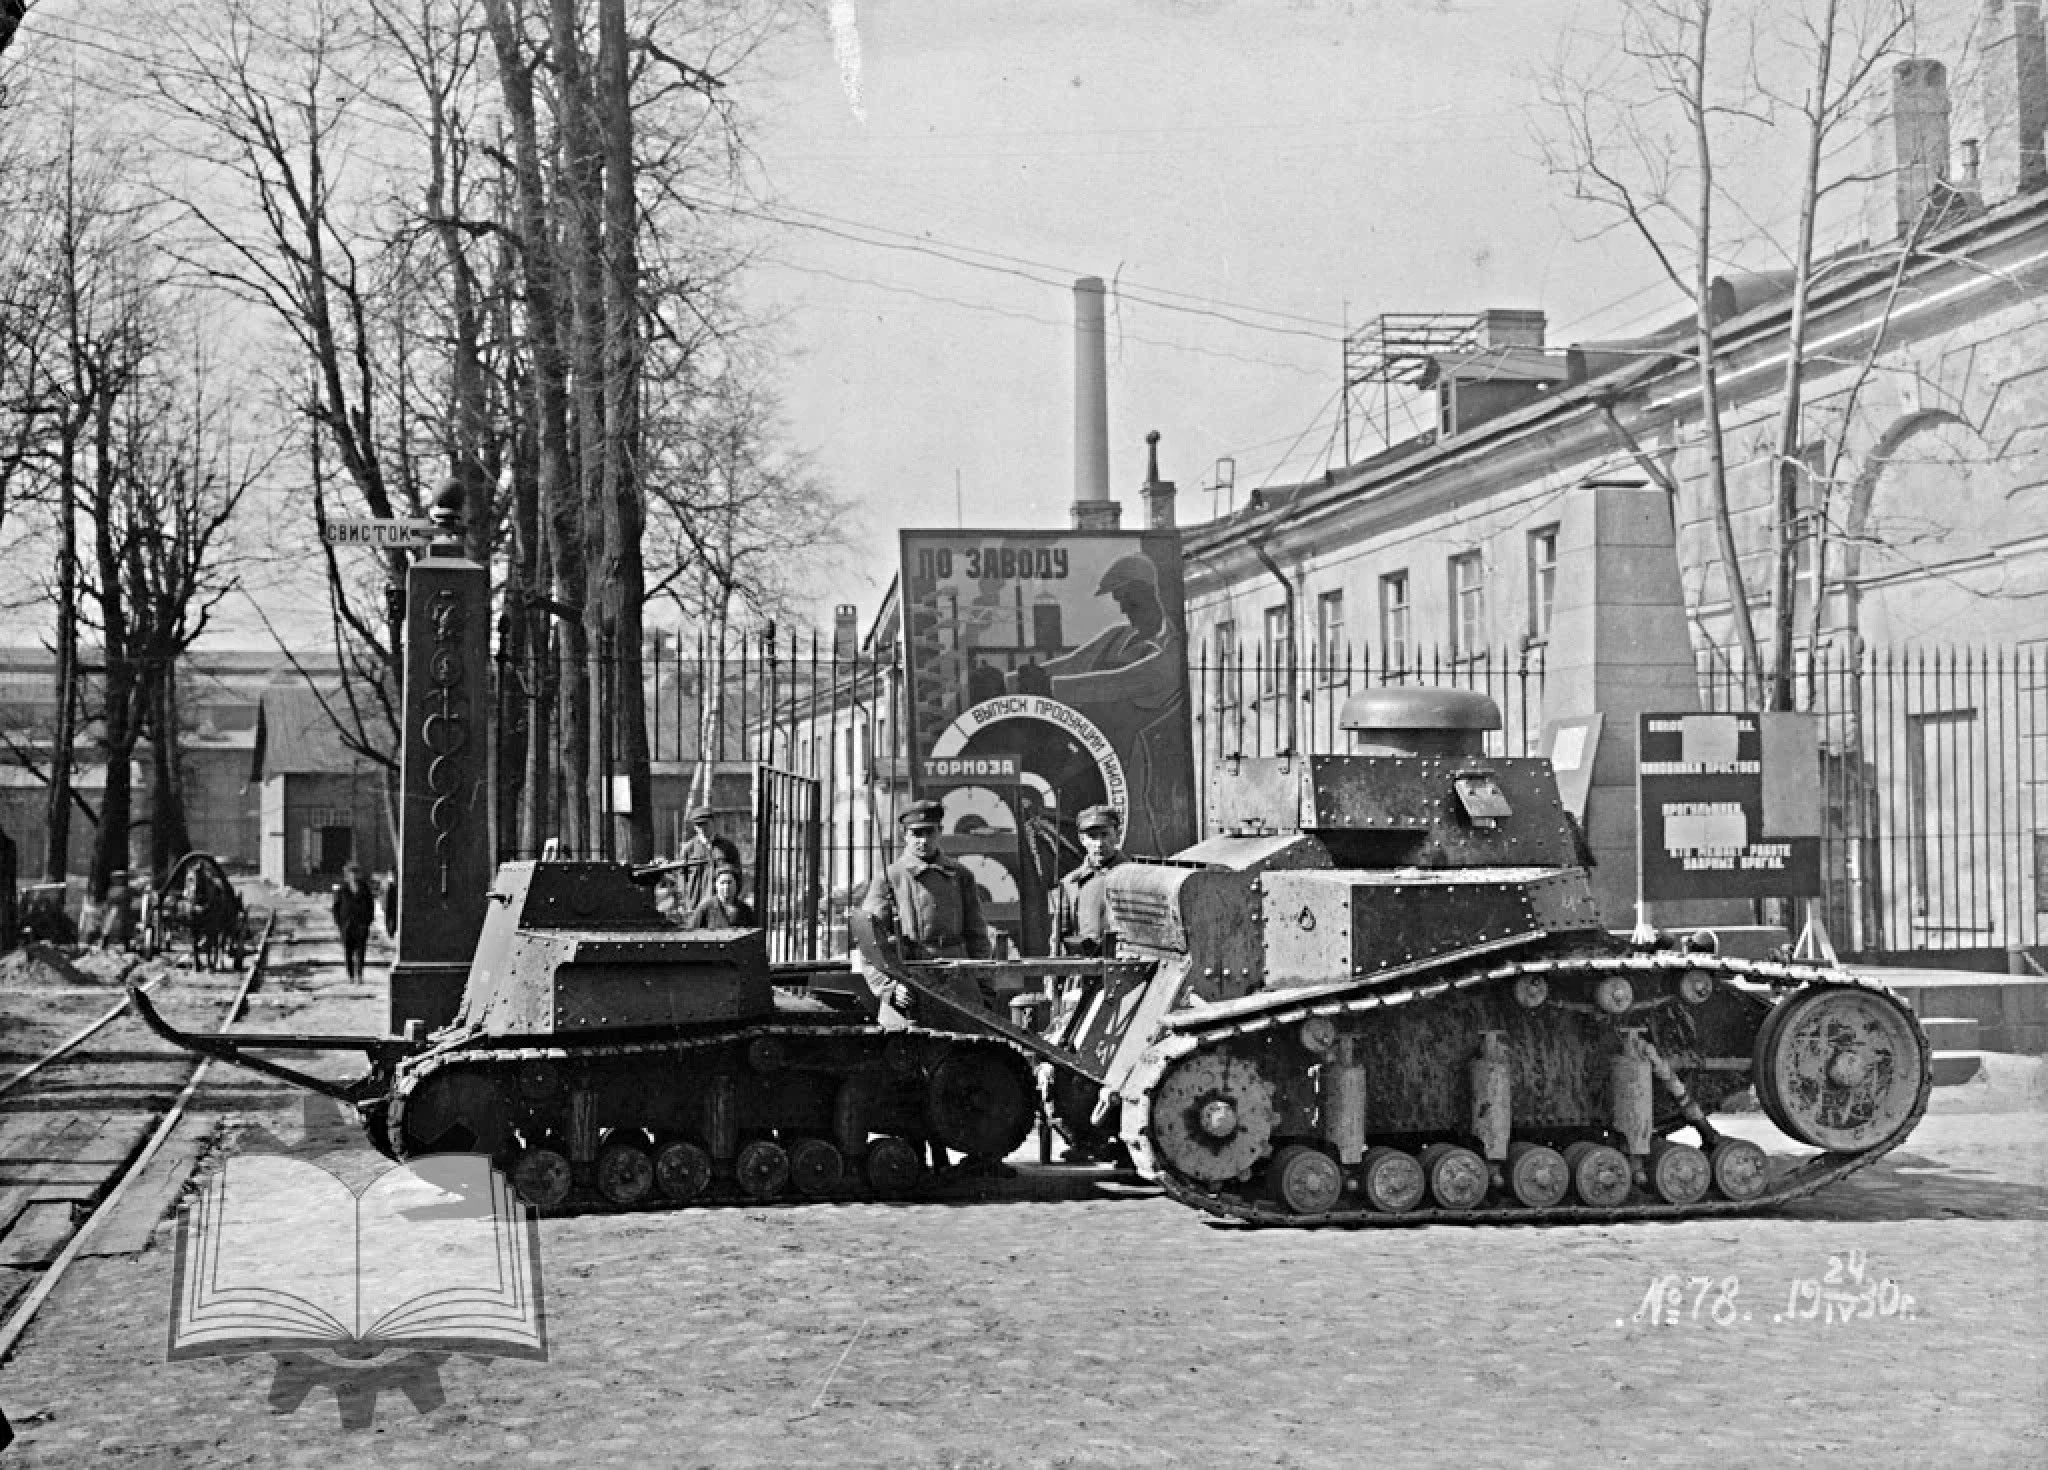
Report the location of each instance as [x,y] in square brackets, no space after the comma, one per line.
[1565,513]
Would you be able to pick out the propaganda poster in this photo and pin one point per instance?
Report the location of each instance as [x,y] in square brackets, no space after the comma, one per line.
[1066,650]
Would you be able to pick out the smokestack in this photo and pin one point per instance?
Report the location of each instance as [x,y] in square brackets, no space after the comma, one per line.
[845,630]
[1093,509]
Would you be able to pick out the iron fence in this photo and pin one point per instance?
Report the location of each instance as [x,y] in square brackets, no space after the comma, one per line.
[1934,769]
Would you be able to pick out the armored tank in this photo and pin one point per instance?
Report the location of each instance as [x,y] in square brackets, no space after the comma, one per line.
[1383,993]
[603,1057]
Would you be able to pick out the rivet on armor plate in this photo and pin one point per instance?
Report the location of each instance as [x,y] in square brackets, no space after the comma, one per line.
[1614,994]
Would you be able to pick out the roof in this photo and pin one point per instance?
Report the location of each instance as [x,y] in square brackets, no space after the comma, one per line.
[296,736]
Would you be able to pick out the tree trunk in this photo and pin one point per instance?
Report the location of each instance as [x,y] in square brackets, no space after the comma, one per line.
[624,580]
[1791,462]
[1709,375]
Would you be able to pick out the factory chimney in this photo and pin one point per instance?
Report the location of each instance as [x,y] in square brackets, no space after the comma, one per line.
[1093,509]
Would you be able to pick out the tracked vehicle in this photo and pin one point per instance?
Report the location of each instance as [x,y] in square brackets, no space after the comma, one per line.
[603,1057]
[1383,994]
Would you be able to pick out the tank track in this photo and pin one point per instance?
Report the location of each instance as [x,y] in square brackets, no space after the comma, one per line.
[1192,1034]
[902,1062]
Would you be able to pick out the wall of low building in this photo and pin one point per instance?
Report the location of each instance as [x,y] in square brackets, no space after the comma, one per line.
[314,824]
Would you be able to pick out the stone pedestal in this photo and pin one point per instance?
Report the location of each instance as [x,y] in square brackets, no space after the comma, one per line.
[446,852]
[1619,647]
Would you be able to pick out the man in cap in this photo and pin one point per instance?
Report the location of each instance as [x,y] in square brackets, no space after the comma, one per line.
[702,856]
[931,900]
[1081,921]
[934,907]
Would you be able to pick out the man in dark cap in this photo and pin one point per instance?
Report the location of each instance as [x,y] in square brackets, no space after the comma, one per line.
[929,900]
[934,907]
[702,856]
[1081,920]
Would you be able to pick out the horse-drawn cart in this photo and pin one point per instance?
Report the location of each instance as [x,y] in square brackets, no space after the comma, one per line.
[198,906]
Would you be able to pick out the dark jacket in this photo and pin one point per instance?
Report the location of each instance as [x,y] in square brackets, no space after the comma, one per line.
[354,907]
[714,914]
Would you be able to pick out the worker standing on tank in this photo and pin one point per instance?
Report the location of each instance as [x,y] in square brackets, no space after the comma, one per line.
[1082,923]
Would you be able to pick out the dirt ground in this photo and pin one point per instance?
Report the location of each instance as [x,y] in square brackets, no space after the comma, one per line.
[1081,1321]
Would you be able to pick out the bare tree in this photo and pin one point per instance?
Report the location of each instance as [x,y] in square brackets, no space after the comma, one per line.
[1640,140]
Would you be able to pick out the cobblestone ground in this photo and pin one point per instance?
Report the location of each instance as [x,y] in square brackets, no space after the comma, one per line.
[1120,1330]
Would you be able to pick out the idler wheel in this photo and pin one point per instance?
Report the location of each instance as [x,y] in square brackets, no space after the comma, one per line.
[1457,1176]
[1391,1181]
[1741,1169]
[625,1175]
[453,1110]
[1679,1173]
[981,1100]
[1841,1068]
[1537,1175]
[682,1170]
[762,1169]
[816,1168]
[894,1167]
[1213,1117]
[1600,1174]
[543,1176]
[1306,1180]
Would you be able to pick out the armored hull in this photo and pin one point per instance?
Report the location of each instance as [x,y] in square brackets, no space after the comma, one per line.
[1383,994]
[604,1058]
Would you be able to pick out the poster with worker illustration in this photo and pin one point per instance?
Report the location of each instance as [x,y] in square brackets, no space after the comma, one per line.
[1068,651]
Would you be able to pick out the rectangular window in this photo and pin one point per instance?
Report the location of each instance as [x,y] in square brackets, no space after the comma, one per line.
[1468,605]
[1542,581]
[1330,638]
[1279,647]
[1395,640]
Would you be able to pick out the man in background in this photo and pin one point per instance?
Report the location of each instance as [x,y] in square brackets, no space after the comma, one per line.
[702,856]
[354,907]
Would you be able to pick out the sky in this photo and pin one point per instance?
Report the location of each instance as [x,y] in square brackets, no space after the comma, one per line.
[1251,177]
[1248,175]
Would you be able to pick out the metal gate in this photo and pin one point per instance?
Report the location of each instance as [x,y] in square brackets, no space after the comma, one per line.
[789,897]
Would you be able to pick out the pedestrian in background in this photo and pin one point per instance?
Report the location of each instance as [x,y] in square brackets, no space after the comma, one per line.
[724,909]
[702,856]
[354,908]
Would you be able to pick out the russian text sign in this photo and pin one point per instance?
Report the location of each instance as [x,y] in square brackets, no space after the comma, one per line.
[382,535]
[1728,805]
[1064,653]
